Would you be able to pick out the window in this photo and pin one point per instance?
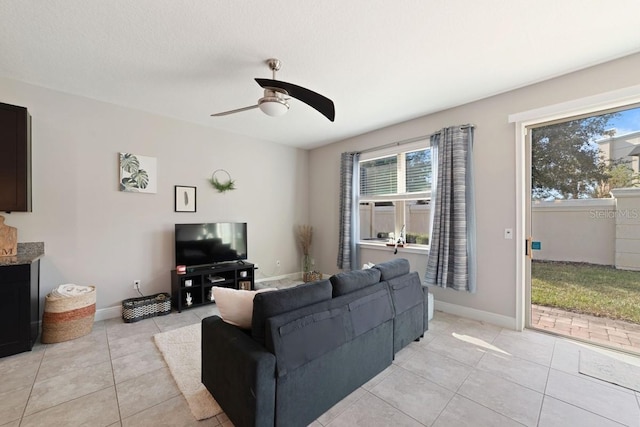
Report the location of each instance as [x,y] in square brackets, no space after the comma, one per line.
[395,189]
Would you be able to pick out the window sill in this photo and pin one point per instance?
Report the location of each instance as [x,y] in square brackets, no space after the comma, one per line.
[409,249]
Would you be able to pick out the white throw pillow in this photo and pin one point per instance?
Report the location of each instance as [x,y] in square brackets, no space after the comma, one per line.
[235,305]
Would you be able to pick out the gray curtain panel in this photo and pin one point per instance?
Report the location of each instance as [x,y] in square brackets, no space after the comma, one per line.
[452,260]
[349,214]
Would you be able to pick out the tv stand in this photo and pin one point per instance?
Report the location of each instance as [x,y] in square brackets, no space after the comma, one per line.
[199,280]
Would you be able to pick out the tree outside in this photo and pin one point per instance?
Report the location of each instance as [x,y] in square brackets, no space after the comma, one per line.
[566,163]
[617,175]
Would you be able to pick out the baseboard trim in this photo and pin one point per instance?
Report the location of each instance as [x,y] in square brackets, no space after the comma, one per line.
[297,275]
[472,313]
[108,313]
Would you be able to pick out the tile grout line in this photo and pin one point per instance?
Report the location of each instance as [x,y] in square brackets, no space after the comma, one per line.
[33,384]
[546,383]
[581,408]
[113,373]
[395,407]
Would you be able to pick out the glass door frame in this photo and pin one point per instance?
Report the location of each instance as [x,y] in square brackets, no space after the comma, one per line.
[522,121]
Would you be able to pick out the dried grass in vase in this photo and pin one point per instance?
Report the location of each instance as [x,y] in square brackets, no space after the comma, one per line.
[305,233]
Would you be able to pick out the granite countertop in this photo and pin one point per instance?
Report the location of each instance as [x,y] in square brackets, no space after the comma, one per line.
[27,253]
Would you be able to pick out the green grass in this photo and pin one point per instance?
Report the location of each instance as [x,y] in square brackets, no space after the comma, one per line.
[587,288]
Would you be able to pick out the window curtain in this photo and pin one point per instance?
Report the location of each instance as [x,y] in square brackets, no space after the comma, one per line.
[348,257]
[452,253]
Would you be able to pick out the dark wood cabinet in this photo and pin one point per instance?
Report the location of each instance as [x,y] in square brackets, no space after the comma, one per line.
[15,159]
[197,284]
[19,307]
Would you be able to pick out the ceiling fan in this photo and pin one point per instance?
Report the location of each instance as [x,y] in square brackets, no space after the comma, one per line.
[274,102]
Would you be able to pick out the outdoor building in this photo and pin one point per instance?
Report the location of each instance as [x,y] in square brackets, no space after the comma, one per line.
[625,148]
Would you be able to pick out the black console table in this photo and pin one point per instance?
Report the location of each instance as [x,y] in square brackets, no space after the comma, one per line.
[198,281]
[19,304]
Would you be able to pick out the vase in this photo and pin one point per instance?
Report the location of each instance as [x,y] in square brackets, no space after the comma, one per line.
[307,263]
[307,266]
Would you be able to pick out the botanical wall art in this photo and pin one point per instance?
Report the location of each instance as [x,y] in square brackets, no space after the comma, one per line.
[185,199]
[138,173]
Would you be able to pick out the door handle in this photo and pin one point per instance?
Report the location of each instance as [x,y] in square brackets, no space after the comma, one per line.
[527,247]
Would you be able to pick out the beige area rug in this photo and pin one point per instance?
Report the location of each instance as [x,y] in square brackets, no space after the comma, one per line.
[610,369]
[181,350]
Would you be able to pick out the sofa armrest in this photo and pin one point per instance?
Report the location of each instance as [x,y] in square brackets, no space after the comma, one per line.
[239,373]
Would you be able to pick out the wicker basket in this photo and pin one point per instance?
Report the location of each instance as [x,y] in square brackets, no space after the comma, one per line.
[67,318]
[311,276]
[135,309]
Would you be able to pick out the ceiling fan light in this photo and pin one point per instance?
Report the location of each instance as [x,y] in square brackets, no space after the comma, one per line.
[273,106]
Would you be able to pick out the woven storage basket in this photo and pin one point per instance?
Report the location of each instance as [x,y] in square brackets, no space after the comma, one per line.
[135,309]
[67,318]
[311,276]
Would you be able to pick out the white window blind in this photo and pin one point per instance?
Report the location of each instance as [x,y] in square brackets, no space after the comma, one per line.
[396,177]
[379,176]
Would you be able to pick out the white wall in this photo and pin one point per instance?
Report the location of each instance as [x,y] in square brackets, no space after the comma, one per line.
[95,234]
[494,158]
[578,230]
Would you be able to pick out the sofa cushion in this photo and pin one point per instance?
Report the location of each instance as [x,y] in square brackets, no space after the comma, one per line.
[300,336]
[236,305]
[345,283]
[270,304]
[392,269]
[406,292]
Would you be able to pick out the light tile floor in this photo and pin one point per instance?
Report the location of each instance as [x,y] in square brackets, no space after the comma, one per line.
[463,373]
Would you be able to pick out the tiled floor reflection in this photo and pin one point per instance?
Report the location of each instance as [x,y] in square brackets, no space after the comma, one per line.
[463,373]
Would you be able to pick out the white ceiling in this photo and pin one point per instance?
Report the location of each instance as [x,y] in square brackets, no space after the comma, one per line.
[380,61]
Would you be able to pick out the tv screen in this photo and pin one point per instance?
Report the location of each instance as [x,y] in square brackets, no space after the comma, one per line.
[210,243]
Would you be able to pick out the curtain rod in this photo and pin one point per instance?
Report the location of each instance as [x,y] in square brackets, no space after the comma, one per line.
[408,141]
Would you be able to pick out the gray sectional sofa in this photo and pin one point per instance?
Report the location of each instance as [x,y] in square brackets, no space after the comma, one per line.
[312,345]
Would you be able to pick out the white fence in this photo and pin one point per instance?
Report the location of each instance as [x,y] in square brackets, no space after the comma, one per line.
[381,219]
[597,231]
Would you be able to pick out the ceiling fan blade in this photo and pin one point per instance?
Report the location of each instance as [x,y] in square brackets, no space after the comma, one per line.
[313,99]
[226,113]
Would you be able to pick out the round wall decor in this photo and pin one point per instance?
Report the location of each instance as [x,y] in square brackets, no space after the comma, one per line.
[222,185]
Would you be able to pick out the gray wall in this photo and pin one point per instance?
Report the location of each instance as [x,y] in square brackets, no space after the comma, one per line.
[95,234]
[495,173]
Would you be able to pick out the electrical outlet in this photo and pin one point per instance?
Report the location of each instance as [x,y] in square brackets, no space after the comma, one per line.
[277,263]
[136,284]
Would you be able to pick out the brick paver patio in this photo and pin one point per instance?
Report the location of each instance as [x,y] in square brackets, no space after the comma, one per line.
[599,330]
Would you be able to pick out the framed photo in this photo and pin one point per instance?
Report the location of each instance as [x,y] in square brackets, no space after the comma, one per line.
[185,198]
[138,174]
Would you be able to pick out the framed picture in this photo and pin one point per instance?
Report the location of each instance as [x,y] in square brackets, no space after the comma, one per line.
[185,199]
[138,174]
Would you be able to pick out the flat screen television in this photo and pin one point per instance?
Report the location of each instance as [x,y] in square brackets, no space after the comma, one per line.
[210,243]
